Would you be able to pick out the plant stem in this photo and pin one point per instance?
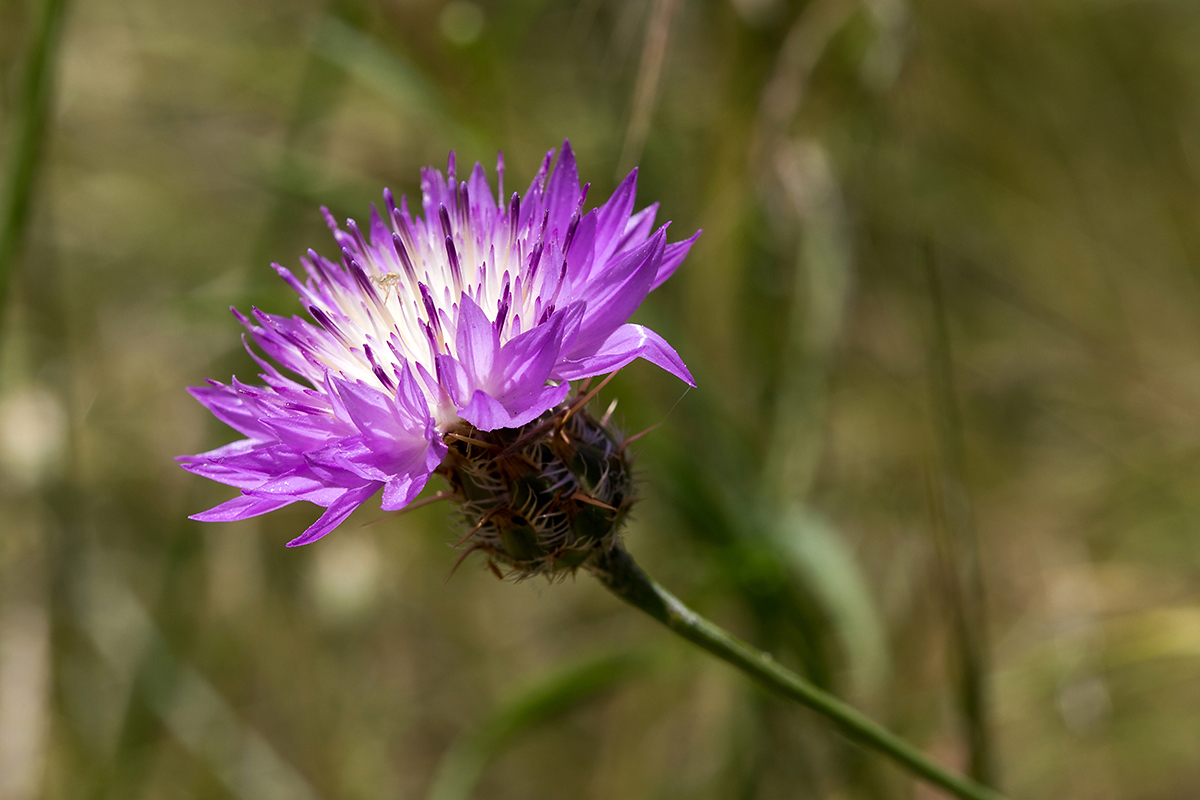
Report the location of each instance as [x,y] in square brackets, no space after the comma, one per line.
[28,134]
[617,570]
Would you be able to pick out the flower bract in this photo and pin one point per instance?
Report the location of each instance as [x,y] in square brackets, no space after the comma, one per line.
[476,310]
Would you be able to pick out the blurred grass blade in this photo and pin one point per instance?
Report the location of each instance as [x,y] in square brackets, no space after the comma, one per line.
[134,648]
[28,138]
[959,541]
[806,42]
[556,694]
[824,282]
[654,54]
[828,569]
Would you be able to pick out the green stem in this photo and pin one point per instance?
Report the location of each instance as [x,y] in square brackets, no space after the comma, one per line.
[27,137]
[618,571]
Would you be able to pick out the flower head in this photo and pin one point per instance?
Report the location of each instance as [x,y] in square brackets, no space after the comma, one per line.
[473,317]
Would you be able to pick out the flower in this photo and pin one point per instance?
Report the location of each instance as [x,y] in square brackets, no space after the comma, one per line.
[479,313]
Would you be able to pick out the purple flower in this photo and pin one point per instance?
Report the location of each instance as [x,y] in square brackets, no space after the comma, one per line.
[479,313]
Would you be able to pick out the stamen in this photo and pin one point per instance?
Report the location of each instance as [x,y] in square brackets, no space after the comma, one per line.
[514,217]
[402,254]
[430,308]
[378,370]
[562,274]
[384,379]
[433,347]
[535,258]
[505,304]
[364,283]
[452,254]
[329,220]
[357,234]
[571,226]
[325,322]
[401,219]
[319,265]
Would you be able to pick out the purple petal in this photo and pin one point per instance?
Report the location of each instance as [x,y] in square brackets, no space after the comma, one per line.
[307,432]
[410,401]
[402,490]
[673,256]
[301,483]
[454,379]
[395,438]
[638,228]
[363,461]
[614,215]
[488,414]
[526,360]
[581,255]
[335,514]
[242,507]
[243,467]
[617,291]
[625,344]
[236,448]
[371,411]
[483,204]
[532,204]
[478,342]
[231,408]
[441,401]
[562,193]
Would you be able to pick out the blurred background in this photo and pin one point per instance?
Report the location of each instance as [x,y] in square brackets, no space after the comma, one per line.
[944,456]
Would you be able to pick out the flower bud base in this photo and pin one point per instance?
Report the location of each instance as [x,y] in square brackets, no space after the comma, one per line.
[541,499]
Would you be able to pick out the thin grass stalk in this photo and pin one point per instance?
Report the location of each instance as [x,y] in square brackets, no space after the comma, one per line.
[958,543]
[28,136]
[622,576]
[654,54]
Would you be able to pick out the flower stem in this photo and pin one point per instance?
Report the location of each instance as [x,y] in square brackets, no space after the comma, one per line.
[617,570]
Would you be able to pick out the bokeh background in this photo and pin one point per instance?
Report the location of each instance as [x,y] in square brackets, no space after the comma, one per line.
[943,456]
